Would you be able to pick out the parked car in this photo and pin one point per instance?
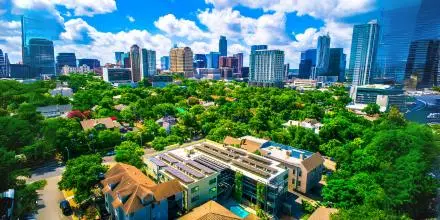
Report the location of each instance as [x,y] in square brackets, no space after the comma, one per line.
[65,207]
[110,153]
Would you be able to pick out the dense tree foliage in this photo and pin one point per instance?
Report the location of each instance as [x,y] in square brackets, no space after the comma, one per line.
[82,175]
[130,153]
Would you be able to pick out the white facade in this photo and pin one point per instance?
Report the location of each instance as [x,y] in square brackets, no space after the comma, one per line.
[267,66]
[66,70]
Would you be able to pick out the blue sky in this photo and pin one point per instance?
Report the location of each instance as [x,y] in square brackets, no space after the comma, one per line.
[97,28]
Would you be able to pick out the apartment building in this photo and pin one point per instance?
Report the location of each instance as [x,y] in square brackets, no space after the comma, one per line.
[129,195]
[216,166]
[304,167]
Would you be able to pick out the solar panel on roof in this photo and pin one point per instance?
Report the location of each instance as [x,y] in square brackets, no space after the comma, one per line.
[251,169]
[158,162]
[211,164]
[259,165]
[260,159]
[179,175]
[237,151]
[176,156]
[199,167]
[168,159]
[189,171]
[213,153]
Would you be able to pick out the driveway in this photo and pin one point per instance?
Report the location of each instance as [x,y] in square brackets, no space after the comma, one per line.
[50,198]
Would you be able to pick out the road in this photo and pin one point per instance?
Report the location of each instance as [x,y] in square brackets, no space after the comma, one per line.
[50,198]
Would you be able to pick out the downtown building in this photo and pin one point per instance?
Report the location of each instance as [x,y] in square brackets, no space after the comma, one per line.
[200,61]
[37,45]
[5,66]
[363,53]
[148,63]
[223,46]
[423,63]
[322,57]
[165,63]
[181,60]
[65,59]
[307,64]
[91,63]
[212,60]
[266,68]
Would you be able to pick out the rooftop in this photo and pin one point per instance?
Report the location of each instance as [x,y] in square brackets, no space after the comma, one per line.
[132,190]
[216,157]
[107,122]
[210,210]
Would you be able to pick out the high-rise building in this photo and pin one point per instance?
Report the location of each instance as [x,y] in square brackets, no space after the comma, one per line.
[307,64]
[258,47]
[213,59]
[7,65]
[37,35]
[165,63]
[286,70]
[148,63]
[118,58]
[91,63]
[135,64]
[223,46]
[2,65]
[65,59]
[424,63]
[200,61]
[20,71]
[239,57]
[182,61]
[337,64]
[126,61]
[267,68]
[41,57]
[363,52]
[428,21]
[395,35]
[322,55]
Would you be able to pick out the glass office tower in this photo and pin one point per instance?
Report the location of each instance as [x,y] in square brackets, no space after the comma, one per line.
[148,63]
[165,63]
[307,63]
[223,46]
[213,59]
[65,59]
[323,55]
[396,32]
[37,44]
[200,61]
[363,53]
[428,21]
[135,63]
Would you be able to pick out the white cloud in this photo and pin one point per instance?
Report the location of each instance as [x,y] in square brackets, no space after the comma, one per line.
[130,19]
[80,7]
[10,39]
[179,27]
[103,44]
[322,9]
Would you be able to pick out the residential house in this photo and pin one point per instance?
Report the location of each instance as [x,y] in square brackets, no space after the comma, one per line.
[130,195]
[167,122]
[107,123]
[52,111]
[210,210]
[308,123]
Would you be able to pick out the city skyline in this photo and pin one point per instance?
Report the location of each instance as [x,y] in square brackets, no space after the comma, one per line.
[98,31]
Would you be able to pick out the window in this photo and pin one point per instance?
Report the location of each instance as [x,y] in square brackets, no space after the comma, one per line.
[299,183]
[195,189]
[212,181]
[195,198]
[213,190]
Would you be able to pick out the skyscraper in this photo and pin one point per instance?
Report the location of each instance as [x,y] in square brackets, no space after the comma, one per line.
[213,59]
[424,53]
[363,52]
[337,64]
[223,46]
[322,55]
[307,63]
[182,61]
[230,62]
[424,63]
[37,44]
[118,58]
[239,57]
[7,65]
[41,57]
[65,59]
[91,63]
[266,68]
[126,61]
[148,64]
[2,65]
[395,35]
[200,61]
[135,63]
[165,63]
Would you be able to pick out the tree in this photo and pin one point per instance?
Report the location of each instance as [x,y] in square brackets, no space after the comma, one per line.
[238,186]
[130,153]
[82,175]
[372,109]
[10,170]
[15,133]
[26,198]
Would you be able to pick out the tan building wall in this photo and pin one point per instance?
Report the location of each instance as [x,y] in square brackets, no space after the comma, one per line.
[181,60]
